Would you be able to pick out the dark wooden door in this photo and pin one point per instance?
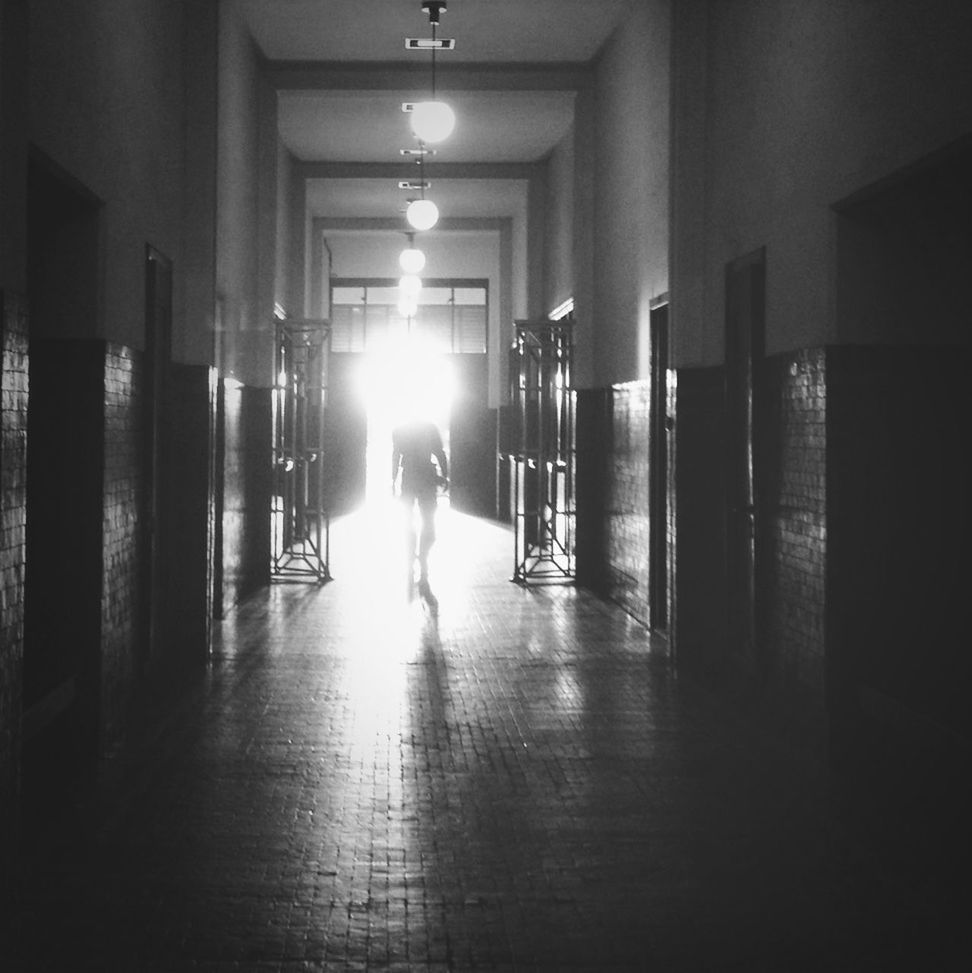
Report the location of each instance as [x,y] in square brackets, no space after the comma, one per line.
[158,356]
[745,327]
[62,677]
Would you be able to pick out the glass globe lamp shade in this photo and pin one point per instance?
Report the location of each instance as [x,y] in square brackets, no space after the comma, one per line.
[409,286]
[411,260]
[432,121]
[422,214]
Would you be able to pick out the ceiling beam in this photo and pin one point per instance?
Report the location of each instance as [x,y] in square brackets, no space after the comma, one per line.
[406,169]
[398,75]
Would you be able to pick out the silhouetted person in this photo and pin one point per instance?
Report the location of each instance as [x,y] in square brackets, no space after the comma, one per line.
[416,451]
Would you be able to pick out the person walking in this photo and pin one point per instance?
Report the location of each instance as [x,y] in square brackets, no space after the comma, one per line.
[419,458]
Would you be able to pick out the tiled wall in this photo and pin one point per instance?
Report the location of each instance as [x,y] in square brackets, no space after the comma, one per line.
[85,527]
[13,510]
[791,531]
[247,473]
[103,385]
[700,535]
[792,526]
[628,498]
[121,534]
[593,444]
[613,496]
[863,479]
[863,476]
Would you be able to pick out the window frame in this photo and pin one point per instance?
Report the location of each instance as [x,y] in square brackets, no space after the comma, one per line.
[450,283]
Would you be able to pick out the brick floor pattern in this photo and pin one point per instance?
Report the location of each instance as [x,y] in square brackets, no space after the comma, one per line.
[522,783]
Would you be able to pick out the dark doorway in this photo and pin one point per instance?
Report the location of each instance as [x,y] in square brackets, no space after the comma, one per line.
[472,437]
[65,466]
[745,329]
[658,471]
[158,355]
[899,468]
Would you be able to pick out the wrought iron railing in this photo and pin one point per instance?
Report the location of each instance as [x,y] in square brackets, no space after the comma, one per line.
[300,528]
[543,457]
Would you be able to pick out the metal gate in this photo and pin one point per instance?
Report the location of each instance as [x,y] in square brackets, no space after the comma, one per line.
[543,461]
[300,520]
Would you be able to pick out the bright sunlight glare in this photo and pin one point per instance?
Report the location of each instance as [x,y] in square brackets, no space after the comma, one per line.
[385,629]
[399,382]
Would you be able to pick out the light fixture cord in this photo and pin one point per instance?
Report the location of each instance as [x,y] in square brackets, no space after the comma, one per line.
[433,59]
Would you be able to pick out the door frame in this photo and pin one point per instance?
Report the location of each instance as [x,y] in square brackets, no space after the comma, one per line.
[158,358]
[745,337]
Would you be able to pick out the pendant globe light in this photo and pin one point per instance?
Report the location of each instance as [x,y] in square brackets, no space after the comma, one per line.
[409,286]
[411,259]
[422,214]
[432,121]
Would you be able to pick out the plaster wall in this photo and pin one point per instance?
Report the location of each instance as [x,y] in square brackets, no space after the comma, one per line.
[583,238]
[559,249]
[195,279]
[106,104]
[284,217]
[804,103]
[245,214]
[13,145]
[631,191]
[538,204]
[519,264]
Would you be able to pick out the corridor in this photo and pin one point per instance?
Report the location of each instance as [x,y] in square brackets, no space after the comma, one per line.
[519,784]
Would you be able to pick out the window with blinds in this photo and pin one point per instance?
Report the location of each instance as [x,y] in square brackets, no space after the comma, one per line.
[451,317]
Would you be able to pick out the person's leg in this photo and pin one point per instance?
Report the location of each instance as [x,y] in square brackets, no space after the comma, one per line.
[426,503]
[410,533]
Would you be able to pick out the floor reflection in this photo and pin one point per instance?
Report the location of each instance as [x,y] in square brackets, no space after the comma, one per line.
[369,557]
[518,783]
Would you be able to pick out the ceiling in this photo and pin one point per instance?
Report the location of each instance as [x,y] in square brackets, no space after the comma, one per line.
[485,30]
[342,73]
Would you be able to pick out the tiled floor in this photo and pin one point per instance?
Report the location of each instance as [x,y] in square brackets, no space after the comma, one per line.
[520,784]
